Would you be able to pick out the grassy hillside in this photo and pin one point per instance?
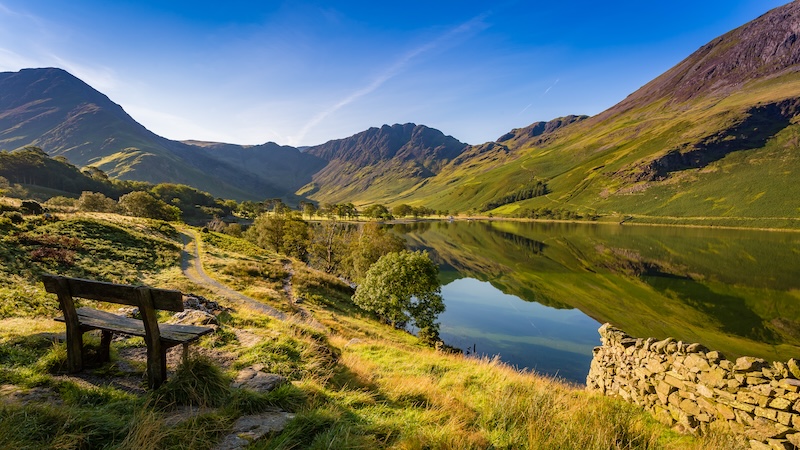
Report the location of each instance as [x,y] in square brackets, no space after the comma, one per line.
[355,383]
[631,163]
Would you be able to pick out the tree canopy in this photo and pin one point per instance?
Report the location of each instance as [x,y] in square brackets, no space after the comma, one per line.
[403,286]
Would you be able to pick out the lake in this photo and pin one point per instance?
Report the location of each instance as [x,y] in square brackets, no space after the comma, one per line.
[535,293]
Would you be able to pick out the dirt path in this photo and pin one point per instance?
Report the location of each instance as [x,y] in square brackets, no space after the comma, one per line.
[192,268]
[287,282]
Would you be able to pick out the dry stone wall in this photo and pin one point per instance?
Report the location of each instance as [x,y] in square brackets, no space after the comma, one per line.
[690,388]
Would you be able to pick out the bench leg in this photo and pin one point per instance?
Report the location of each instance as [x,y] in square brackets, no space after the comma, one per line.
[156,366]
[185,355]
[74,350]
[105,346]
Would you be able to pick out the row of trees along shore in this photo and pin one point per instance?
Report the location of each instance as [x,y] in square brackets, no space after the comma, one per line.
[399,286]
[344,211]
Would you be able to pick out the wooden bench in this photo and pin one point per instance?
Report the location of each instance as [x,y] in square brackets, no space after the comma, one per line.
[158,337]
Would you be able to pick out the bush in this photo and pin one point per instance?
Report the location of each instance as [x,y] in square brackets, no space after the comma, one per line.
[32,207]
[14,216]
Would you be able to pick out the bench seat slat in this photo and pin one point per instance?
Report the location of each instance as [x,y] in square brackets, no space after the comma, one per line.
[173,334]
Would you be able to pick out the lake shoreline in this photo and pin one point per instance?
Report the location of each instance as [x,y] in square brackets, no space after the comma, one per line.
[591,222]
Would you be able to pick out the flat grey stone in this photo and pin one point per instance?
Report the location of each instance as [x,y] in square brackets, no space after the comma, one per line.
[251,428]
[253,378]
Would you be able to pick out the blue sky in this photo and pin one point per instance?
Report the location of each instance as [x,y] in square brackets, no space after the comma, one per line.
[305,72]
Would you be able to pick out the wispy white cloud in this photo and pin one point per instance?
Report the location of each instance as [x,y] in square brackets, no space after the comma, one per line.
[102,78]
[40,48]
[175,127]
[551,87]
[11,60]
[474,25]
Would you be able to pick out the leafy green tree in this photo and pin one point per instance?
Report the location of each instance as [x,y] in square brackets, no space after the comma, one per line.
[403,286]
[248,209]
[283,233]
[309,209]
[267,231]
[143,204]
[377,211]
[295,237]
[96,201]
[233,229]
[402,210]
[345,210]
[366,245]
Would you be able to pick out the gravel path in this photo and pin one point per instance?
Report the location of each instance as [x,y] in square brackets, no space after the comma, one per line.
[193,270]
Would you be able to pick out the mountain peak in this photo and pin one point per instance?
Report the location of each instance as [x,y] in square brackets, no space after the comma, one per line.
[406,141]
[769,46]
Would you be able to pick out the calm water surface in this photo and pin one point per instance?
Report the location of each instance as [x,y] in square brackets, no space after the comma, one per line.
[535,293]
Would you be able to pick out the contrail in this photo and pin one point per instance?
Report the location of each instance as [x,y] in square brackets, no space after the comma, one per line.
[551,86]
[391,72]
[543,94]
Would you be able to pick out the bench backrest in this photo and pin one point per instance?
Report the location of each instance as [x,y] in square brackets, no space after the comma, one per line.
[123,294]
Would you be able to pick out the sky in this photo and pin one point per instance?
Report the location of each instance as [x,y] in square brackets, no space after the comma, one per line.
[305,72]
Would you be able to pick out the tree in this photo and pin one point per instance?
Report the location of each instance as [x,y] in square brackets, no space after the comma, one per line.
[403,286]
[366,246]
[402,210]
[267,231]
[283,233]
[295,236]
[328,245]
[249,209]
[377,211]
[95,201]
[309,209]
[142,204]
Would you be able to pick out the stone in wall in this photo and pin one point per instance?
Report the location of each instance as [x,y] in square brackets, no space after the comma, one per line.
[689,387]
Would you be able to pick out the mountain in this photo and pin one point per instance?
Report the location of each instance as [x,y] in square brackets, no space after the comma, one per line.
[281,165]
[53,110]
[713,140]
[379,164]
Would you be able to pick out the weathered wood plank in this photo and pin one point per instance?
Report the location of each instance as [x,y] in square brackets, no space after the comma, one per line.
[163,299]
[173,334]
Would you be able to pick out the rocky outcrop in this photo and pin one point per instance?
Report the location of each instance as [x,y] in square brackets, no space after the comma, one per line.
[690,387]
[758,125]
[540,129]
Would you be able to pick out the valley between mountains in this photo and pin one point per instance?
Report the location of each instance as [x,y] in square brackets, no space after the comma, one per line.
[712,141]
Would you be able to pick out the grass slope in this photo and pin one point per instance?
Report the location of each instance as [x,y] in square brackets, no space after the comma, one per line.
[355,383]
[597,165]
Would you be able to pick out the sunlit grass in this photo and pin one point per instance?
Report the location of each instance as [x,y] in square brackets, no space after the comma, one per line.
[355,383]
